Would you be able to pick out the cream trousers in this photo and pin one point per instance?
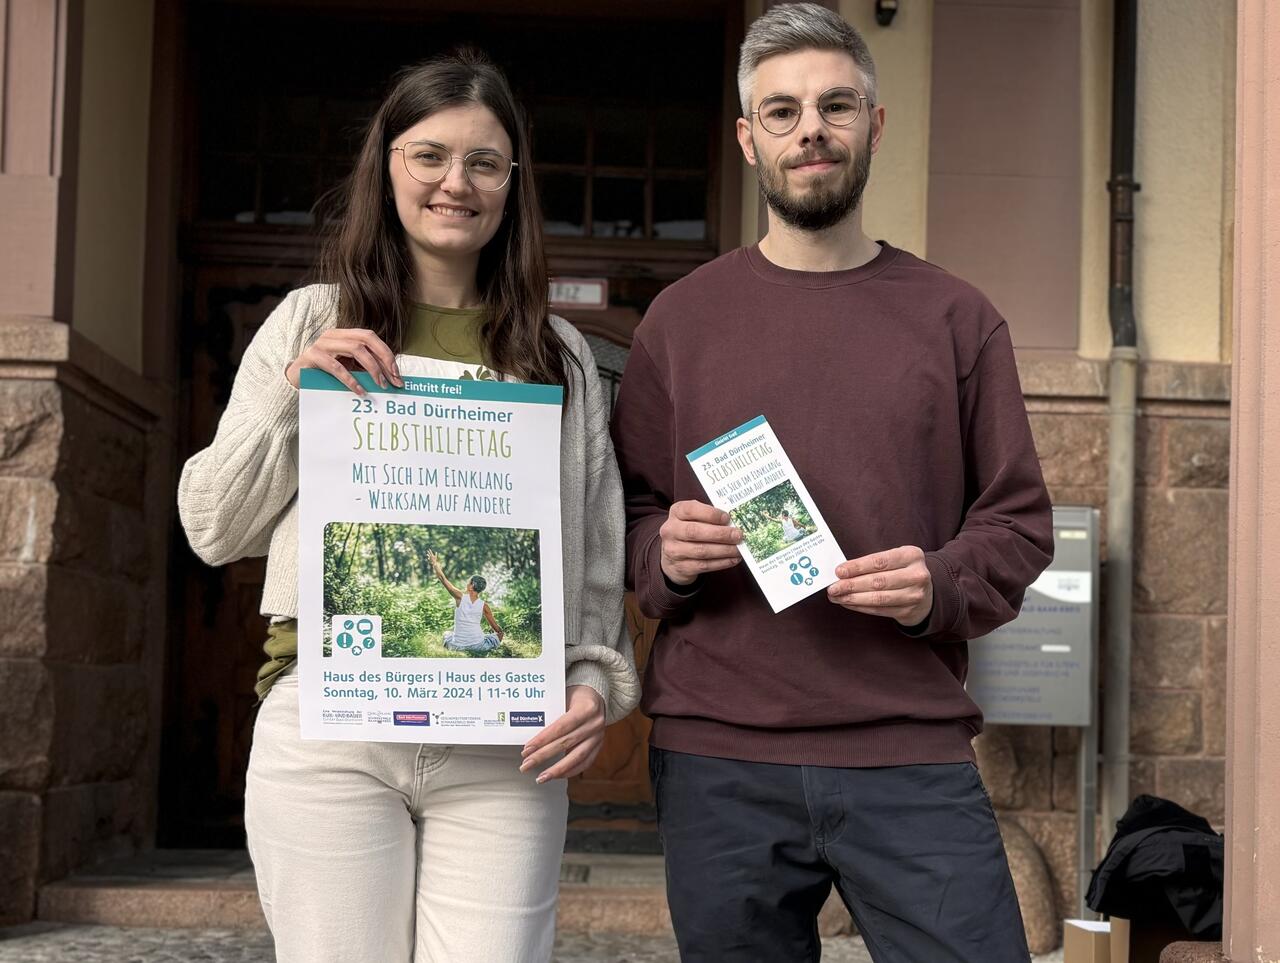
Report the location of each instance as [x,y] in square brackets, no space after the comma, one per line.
[372,852]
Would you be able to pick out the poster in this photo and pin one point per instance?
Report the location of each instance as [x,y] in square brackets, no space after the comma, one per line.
[430,595]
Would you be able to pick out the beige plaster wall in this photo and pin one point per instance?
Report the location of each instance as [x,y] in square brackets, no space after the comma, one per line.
[1095,167]
[111,203]
[896,201]
[1183,162]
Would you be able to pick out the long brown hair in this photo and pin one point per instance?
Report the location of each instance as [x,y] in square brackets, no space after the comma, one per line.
[366,254]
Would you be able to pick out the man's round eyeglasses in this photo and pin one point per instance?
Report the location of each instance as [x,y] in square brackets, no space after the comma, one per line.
[838,106]
[428,163]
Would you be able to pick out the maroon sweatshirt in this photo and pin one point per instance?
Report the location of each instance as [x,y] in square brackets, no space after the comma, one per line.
[893,389]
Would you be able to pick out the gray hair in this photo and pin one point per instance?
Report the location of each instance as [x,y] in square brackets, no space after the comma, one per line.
[789,27]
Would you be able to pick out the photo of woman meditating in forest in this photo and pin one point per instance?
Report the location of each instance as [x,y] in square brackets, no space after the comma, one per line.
[773,520]
[440,591]
[469,607]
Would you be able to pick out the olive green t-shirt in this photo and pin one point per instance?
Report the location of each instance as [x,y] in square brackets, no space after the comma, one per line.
[449,338]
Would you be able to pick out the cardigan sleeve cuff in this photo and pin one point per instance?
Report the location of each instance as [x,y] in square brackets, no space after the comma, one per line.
[609,673]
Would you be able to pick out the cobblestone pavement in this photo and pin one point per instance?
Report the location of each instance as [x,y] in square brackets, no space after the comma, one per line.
[53,943]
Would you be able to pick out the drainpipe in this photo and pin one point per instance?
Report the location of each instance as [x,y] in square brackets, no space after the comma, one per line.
[1122,392]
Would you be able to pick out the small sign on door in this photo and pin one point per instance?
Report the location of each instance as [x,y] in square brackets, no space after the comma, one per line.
[590,294]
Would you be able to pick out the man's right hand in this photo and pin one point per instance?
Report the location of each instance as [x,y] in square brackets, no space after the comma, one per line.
[697,538]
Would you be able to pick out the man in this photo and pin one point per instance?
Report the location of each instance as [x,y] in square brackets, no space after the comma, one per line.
[829,743]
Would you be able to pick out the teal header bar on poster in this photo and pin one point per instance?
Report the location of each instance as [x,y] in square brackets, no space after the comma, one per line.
[447,389]
[727,436]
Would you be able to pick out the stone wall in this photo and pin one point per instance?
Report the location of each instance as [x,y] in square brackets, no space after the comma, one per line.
[80,592]
[1179,623]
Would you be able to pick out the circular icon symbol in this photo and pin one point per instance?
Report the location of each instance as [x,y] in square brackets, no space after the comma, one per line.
[806,561]
[348,624]
[367,642]
[797,578]
[794,566]
[808,581]
[364,626]
[356,650]
[814,571]
[345,639]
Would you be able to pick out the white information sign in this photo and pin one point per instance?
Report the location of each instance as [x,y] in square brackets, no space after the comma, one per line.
[1039,669]
[430,595]
[580,293]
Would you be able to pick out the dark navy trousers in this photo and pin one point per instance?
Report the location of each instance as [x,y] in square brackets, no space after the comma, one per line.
[753,849]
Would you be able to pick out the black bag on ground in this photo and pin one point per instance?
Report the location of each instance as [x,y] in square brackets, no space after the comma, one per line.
[1164,867]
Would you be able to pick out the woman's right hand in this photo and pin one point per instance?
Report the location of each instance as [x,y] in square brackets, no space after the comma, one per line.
[360,346]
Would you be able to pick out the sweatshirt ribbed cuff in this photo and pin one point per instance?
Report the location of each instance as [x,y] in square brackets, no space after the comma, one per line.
[661,597]
[947,603]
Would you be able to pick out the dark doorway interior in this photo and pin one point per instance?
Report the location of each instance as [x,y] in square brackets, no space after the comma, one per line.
[629,121]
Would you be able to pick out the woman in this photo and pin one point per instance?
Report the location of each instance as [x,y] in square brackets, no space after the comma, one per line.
[393,852]
[468,607]
[791,532]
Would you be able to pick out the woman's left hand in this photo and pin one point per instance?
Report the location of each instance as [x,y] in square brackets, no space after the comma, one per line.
[579,734]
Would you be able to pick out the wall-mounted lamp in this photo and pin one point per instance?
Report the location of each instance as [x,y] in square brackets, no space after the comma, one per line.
[885,10]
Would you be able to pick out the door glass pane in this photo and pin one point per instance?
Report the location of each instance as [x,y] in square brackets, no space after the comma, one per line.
[228,188]
[617,207]
[563,205]
[620,136]
[682,139]
[560,134]
[680,209]
[292,125]
[288,190]
[230,122]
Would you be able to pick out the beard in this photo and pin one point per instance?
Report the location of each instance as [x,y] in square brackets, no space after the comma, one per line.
[830,197]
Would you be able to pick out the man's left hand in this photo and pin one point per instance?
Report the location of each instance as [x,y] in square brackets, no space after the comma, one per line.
[895,584]
[579,734]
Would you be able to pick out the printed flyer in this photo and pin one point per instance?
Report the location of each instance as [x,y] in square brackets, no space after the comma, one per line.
[430,596]
[785,542]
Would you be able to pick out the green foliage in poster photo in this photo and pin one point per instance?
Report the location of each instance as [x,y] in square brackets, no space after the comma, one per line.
[762,520]
[376,569]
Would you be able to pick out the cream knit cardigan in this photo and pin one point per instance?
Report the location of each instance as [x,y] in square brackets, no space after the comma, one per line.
[239,497]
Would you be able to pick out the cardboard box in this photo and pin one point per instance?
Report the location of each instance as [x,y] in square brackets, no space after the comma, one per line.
[1086,941]
[1141,942]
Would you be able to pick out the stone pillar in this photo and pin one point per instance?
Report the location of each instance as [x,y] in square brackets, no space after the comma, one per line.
[85,503]
[1252,931]
[79,655]
[37,198]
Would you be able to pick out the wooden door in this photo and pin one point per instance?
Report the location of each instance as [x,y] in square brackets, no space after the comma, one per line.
[211,699]
[629,167]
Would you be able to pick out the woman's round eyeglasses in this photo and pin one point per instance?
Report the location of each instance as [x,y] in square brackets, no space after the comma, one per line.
[838,106]
[428,163]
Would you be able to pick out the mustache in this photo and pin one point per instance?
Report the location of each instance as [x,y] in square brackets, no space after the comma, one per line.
[814,155]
